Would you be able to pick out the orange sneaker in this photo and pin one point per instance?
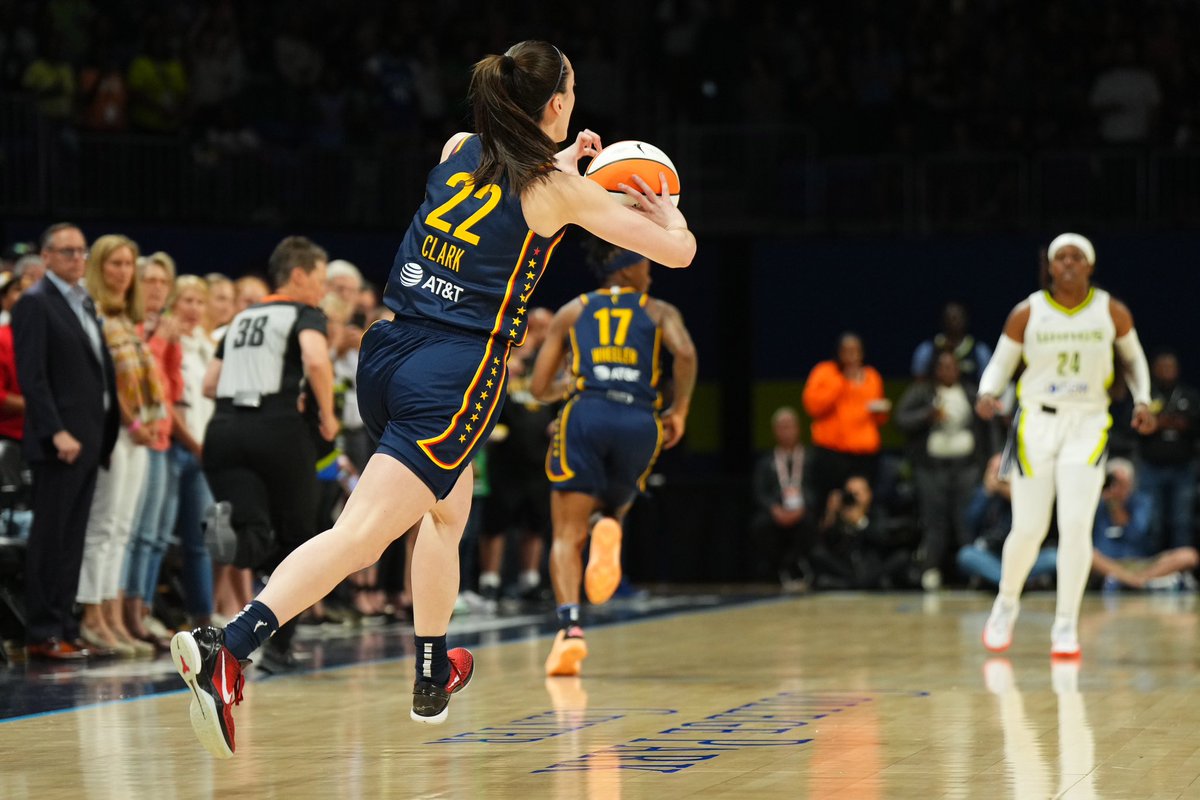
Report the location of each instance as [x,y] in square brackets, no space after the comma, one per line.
[603,574]
[568,653]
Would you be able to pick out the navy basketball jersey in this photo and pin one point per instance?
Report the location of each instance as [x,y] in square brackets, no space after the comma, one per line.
[615,345]
[468,259]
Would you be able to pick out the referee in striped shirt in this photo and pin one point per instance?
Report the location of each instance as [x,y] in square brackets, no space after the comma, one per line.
[259,453]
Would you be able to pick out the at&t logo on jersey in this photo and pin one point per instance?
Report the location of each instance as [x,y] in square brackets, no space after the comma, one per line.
[1068,388]
[442,288]
[604,373]
[411,275]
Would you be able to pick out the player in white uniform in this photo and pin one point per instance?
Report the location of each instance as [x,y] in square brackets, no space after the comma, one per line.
[1066,334]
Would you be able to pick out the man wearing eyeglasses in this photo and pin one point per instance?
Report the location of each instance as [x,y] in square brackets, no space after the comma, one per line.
[71,419]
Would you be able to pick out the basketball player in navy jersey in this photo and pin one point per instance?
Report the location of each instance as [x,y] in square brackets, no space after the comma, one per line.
[611,429]
[430,383]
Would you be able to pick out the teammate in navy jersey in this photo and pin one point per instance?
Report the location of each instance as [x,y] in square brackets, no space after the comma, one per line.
[431,382]
[611,429]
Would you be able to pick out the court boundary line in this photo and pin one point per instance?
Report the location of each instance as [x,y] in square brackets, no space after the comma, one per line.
[747,603]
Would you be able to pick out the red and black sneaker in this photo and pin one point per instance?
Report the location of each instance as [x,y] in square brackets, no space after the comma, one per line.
[430,700]
[215,677]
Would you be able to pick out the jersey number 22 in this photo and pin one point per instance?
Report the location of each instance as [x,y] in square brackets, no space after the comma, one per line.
[489,190]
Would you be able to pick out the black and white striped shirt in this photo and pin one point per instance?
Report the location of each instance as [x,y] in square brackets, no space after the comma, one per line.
[261,350]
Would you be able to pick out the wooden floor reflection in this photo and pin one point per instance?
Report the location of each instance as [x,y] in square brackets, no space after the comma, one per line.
[830,696]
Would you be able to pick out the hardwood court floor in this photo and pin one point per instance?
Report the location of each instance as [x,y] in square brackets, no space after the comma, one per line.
[827,696]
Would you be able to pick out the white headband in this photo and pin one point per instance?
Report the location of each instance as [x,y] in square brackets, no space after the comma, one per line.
[1072,240]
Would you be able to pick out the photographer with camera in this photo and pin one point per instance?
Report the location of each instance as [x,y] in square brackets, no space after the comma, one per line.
[1124,551]
[854,549]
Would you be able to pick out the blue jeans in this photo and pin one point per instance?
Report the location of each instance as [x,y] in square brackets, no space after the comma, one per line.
[985,564]
[152,526]
[1173,490]
[194,500]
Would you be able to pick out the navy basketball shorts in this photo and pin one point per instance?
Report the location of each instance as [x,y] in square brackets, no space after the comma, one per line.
[430,395]
[603,448]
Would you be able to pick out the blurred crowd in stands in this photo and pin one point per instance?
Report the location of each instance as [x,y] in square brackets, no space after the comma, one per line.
[862,76]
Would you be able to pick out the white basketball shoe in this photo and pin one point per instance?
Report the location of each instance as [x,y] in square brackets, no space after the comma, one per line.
[1064,639]
[997,633]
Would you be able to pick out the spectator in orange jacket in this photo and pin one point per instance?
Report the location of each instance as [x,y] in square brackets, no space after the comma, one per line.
[845,400]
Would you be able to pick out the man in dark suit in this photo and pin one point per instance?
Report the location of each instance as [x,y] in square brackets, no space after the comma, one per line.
[71,419]
[782,529]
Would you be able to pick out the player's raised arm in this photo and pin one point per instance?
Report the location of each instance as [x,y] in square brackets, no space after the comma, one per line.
[657,229]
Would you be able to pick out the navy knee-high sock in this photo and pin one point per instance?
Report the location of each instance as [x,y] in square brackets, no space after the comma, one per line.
[432,663]
[246,632]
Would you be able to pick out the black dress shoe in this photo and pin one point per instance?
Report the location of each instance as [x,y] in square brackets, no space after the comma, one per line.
[55,650]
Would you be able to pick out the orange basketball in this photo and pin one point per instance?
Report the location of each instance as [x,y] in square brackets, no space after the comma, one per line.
[619,162]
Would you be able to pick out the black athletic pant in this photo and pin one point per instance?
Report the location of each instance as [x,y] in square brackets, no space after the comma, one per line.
[263,462]
[944,489]
[774,550]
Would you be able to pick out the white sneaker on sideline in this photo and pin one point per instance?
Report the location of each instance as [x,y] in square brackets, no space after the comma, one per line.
[474,601]
[931,579]
[1064,639]
[156,627]
[997,633]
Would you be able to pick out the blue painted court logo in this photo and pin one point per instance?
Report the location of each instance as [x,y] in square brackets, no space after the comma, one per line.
[411,274]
